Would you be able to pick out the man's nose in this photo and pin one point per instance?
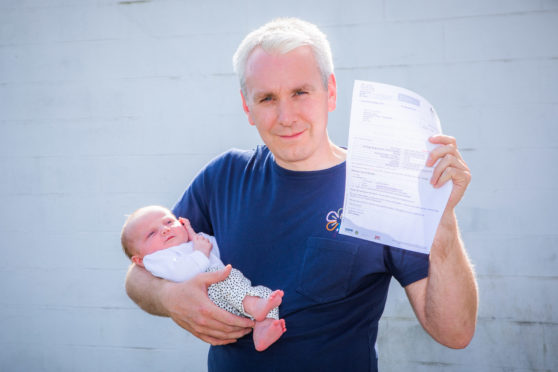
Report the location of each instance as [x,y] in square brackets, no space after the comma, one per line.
[286,113]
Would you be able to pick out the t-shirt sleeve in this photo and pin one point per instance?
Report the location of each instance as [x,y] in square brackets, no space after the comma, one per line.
[194,204]
[203,200]
[406,266]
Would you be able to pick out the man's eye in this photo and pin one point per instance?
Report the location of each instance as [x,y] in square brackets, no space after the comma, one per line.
[300,92]
[265,99]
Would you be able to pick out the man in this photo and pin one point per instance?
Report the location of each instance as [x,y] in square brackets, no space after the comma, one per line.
[267,208]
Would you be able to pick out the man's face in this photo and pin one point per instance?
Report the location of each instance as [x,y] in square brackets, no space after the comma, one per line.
[154,229]
[288,103]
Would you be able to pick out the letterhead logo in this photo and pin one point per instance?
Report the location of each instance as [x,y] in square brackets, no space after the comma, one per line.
[333,220]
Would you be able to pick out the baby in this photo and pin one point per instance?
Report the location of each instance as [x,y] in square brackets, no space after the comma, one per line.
[169,248]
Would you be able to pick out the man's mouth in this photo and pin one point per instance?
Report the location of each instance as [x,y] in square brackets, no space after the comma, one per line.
[291,136]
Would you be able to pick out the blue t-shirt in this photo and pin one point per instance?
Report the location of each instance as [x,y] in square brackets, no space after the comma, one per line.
[280,229]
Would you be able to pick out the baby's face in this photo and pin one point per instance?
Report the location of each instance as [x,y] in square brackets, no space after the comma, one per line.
[155,229]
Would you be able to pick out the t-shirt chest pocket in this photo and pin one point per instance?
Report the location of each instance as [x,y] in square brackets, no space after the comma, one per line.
[326,269]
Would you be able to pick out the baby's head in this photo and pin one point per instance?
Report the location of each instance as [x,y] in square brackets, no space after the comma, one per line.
[150,229]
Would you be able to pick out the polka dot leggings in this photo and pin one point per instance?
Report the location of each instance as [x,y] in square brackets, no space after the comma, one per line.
[229,293]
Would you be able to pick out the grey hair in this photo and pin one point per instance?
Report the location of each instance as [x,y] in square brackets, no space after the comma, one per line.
[281,36]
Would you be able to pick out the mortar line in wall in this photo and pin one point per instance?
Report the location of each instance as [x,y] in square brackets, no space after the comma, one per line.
[480,318]
[42,307]
[516,321]
[448,63]
[442,19]
[506,276]
[445,62]
[100,346]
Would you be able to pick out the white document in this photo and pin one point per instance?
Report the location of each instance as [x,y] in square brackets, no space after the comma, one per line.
[388,195]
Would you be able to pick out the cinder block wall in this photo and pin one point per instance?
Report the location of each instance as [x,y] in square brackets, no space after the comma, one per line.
[109,105]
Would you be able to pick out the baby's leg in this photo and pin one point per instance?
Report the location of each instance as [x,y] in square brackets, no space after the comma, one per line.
[267,332]
[218,293]
[259,307]
[236,292]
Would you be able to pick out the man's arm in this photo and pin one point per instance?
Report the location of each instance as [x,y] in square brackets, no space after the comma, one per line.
[187,304]
[446,302]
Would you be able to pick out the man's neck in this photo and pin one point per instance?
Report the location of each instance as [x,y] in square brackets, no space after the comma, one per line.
[331,156]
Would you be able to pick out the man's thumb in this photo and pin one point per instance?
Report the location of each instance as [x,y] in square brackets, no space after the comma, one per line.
[219,276]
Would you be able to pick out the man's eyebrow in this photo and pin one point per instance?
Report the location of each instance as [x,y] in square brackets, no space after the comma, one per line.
[262,94]
[308,87]
[259,95]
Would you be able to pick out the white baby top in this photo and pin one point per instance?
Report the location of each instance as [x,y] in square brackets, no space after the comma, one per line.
[182,262]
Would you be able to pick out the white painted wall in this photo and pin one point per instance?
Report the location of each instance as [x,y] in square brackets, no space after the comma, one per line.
[109,105]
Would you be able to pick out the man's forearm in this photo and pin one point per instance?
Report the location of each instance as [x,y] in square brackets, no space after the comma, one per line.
[451,295]
[146,290]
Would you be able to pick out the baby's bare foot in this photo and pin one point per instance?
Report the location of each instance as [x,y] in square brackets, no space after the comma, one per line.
[258,307]
[267,332]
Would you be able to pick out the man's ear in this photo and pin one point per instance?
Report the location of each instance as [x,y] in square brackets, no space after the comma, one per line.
[331,93]
[137,260]
[246,109]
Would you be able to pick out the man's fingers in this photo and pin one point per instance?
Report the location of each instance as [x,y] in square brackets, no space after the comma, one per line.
[216,341]
[217,329]
[449,165]
[222,335]
[215,276]
[212,324]
[447,162]
[220,324]
[228,321]
[213,336]
[190,307]
[212,340]
[444,177]
[441,152]
[442,139]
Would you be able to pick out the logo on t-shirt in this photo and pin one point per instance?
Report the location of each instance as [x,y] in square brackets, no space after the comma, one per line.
[333,219]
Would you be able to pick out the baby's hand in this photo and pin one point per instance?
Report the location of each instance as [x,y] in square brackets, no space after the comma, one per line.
[186,223]
[202,244]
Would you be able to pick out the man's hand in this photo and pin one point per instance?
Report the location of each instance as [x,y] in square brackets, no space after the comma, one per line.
[190,307]
[451,167]
[187,304]
[446,302]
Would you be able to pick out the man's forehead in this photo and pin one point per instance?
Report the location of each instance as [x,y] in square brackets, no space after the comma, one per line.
[267,73]
[260,58]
